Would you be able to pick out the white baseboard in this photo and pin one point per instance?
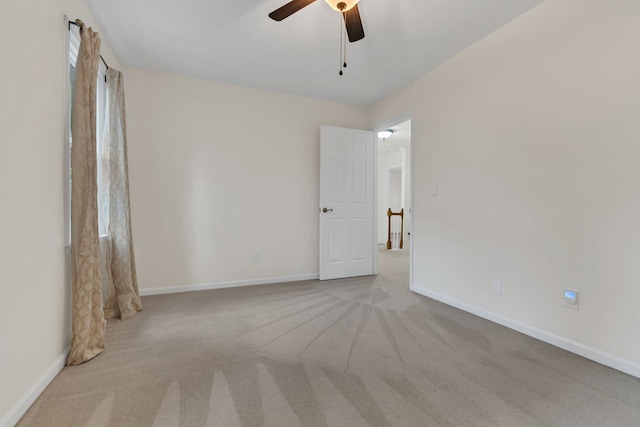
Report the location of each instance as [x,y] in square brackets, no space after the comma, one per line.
[231,284]
[12,417]
[590,353]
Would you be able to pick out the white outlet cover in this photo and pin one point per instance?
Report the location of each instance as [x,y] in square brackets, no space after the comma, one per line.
[571,299]
[433,189]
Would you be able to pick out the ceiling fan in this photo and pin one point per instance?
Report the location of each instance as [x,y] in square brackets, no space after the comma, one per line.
[350,14]
[348,8]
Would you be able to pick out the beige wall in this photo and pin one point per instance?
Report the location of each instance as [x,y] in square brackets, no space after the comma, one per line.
[34,295]
[218,171]
[533,138]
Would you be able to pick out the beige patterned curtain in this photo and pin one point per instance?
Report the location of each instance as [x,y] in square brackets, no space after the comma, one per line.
[88,323]
[123,297]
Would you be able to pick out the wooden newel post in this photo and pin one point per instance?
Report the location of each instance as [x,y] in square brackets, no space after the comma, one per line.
[401,228]
[389,213]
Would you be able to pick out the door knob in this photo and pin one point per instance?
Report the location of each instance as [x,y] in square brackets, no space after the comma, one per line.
[325,210]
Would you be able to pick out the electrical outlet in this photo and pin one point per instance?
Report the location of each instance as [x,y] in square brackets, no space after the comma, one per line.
[571,299]
[255,256]
[496,287]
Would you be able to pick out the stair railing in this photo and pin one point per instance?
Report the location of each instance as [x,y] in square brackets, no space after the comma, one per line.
[395,230]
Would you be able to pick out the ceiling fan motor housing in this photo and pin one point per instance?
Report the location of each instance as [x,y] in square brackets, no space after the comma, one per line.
[342,5]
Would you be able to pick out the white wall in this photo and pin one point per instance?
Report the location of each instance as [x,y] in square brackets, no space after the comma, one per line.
[395,189]
[533,138]
[34,294]
[218,171]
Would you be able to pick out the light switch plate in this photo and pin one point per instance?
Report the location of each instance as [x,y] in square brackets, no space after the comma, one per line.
[433,189]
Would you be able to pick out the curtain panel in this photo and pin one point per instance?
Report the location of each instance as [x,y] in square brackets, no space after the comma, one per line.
[123,298]
[88,322]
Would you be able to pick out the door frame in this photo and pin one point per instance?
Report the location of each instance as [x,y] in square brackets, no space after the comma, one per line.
[378,127]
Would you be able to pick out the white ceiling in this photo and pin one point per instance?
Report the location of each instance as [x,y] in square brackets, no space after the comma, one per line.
[234,41]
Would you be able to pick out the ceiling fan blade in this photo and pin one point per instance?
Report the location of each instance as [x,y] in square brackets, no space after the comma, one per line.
[289,9]
[354,24]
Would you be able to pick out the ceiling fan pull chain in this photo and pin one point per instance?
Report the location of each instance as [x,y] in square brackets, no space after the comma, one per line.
[340,73]
[341,44]
[344,32]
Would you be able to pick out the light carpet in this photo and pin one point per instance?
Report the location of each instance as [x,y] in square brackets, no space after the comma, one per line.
[352,352]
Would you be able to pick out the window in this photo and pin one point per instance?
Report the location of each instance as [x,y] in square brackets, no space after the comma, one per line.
[101,105]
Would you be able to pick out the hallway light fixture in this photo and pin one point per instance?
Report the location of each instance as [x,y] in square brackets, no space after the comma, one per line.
[384,134]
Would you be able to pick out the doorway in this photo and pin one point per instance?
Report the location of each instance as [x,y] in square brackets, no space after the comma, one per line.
[394,202]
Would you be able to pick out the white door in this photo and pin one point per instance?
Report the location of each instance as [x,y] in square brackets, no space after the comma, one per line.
[346,202]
